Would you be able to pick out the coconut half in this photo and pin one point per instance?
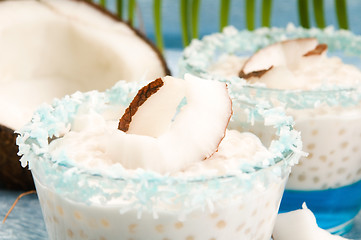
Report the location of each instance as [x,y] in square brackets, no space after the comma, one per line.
[50,48]
[282,57]
[175,123]
[300,225]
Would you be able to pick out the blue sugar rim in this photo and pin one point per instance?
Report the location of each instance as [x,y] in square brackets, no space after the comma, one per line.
[142,189]
[197,58]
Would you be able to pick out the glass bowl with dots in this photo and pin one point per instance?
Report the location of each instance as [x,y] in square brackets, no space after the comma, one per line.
[117,203]
[328,117]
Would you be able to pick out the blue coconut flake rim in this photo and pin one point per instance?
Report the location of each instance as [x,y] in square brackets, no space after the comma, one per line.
[201,54]
[145,189]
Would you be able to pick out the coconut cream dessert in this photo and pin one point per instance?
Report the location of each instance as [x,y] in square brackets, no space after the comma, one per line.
[302,64]
[314,74]
[50,48]
[164,162]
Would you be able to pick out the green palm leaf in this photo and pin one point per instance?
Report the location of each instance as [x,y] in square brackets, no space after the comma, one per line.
[341,12]
[157,8]
[303,13]
[318,12]
[266,13]
[224,13]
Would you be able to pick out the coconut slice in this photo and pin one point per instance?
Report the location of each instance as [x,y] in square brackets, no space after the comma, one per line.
[300,225]
[286,53]
[182,134]
[50,48]
[157,103]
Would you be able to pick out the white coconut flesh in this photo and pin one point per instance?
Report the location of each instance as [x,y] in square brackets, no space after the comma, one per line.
[50,48]
[171,139]
[154,116]
[277,63]
[300,225]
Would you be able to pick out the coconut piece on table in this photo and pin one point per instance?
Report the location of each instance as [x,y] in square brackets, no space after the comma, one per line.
[300,225]
[180,134]
[50,48]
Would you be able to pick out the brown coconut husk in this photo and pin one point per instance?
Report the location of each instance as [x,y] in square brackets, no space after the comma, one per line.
[12,175]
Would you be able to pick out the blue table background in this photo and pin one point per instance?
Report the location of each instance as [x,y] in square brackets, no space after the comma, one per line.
[26,221]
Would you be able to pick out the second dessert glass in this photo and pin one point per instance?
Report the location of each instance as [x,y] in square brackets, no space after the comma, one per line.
[329,118]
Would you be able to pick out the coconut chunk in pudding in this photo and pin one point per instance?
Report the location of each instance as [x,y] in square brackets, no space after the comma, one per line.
[290,64]
[298,64]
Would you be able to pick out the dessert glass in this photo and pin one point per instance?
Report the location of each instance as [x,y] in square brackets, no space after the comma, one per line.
[117,203]
[329,119]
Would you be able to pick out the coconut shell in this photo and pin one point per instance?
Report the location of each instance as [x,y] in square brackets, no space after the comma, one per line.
[12,175]
[136,31]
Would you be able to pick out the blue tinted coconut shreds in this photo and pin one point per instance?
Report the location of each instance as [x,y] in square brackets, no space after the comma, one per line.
[201,54]
[140,189]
